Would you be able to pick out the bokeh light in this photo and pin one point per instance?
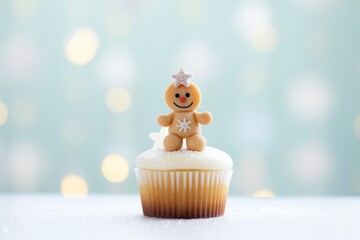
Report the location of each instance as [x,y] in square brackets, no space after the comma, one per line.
[198,58]
[254,22]
[311,163]
[264,193]
[117,67]
[26,166]
[264,39]
[250,174]
[22,57]
[82,46]
[3,113]
[118,100]
[310,98]
[252,15]
[356,125]
[115,168]
[74,186]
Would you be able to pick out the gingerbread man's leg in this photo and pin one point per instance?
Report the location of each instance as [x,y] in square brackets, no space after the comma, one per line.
[173,142]
[196,143]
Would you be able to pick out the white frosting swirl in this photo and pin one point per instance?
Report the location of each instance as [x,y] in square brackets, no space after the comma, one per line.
[208,159]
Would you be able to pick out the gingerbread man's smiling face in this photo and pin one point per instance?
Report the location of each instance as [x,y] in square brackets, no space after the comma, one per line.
[182,98]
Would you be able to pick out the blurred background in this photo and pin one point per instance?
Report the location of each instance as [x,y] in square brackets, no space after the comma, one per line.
[82,83]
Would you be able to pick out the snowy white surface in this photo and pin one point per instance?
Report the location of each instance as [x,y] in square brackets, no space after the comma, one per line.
[120,217]
[208,159]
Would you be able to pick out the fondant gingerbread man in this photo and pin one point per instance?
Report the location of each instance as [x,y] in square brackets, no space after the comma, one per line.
[183,97]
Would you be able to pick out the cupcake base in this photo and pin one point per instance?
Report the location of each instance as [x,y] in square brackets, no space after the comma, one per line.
[183,193]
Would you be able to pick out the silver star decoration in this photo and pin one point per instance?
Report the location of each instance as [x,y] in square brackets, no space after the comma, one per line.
[183,125]
[181,78]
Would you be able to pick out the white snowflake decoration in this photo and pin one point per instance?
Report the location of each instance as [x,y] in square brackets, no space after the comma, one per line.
[183,125]
[181,78]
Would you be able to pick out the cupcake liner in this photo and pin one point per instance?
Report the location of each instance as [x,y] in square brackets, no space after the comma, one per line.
[183,193]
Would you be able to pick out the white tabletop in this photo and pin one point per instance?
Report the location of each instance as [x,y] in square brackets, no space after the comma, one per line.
[120,217]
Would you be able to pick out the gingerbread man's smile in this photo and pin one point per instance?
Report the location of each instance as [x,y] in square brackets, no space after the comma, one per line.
[185,106]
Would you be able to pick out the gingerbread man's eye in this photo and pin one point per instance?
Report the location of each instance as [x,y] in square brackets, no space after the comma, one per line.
[187,94]
[177,95]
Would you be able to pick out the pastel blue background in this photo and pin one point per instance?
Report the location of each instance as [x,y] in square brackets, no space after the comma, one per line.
[282,79]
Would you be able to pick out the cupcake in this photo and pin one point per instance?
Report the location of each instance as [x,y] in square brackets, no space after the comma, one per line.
[181,177]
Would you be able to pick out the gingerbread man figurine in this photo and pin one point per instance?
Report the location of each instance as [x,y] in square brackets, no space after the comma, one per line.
[183,97]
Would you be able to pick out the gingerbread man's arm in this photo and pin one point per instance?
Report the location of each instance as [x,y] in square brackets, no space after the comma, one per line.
[165,120]
[203,118]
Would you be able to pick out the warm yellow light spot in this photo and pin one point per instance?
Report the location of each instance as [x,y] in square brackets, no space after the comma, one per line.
[356,125]
[115,168]
[3,113]
[264,193]
[74,186]
[118,100]
[82,46]
[264,39]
